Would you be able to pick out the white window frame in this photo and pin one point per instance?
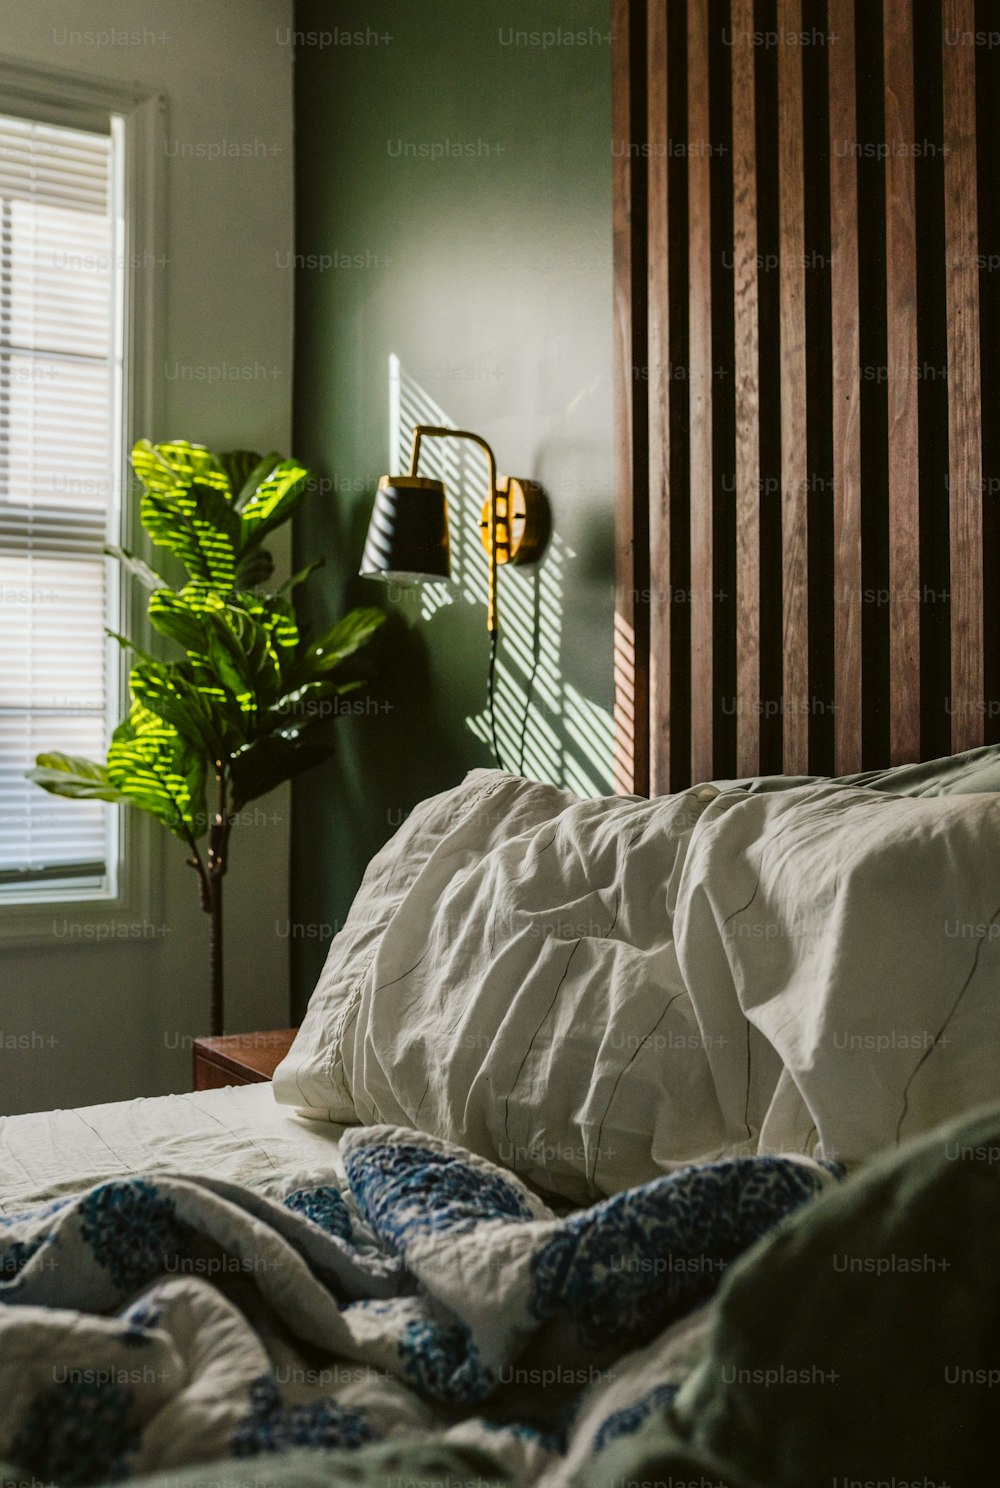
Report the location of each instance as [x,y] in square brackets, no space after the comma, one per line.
[138,117]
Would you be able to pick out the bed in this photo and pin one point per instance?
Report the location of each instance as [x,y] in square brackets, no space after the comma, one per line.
[237,1133]
[587,1090]
[651,1139]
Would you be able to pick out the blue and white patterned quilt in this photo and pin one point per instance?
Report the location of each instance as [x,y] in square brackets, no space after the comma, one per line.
[162,1321]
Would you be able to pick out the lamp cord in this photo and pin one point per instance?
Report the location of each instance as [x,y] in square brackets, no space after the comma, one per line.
[522,742]
[491,708]
[491,683]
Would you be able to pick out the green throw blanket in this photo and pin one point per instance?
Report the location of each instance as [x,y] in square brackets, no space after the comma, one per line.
[858,1344]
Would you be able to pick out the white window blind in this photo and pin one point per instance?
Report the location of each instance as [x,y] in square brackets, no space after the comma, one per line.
[59,452]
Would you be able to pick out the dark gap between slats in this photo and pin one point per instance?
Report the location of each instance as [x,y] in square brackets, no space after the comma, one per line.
[680,442]
[932,385]
[819,380]
[874,393]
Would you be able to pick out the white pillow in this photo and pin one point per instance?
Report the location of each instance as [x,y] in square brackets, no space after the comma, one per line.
[312,1075]
[860,934]
[507,979]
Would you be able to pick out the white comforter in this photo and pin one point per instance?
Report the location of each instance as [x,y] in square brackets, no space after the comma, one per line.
[157,1321]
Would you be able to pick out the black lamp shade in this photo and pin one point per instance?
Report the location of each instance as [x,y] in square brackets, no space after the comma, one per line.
[407,539]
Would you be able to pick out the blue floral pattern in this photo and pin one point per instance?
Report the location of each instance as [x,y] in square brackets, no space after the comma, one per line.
[15,1255]
[441,1360]
[77,1433]
[131,1230]
[616,1274]
[272,1426]
[628,1420]
[405,1190]
[628,1266]
[325,1207]
[140,1320]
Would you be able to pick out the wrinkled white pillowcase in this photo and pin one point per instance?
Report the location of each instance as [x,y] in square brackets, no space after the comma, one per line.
[507,979]
[596,992]
[859,933]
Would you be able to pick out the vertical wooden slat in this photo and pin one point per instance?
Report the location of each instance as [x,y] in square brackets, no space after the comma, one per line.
[747,363]
[631,639]
[902,386]
[659,401]
[794,450]
[700,391]
[847,659]
[965,459]
[646,331]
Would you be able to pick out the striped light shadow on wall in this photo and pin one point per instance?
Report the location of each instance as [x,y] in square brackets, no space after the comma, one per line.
[546,729]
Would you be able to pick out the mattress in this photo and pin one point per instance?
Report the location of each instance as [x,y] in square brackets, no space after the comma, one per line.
[238,1133]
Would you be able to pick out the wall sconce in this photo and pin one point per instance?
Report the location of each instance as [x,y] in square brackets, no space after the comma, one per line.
[408,540]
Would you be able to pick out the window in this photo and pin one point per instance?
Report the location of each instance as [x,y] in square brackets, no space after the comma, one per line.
[78,311]
[60,409]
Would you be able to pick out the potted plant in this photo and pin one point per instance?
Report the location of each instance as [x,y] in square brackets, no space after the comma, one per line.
[237,711]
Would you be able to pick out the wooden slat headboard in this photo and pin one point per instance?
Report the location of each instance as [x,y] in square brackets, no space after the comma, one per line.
[807,359]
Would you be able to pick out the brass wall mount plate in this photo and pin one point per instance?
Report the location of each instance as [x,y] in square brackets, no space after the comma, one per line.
[522,521]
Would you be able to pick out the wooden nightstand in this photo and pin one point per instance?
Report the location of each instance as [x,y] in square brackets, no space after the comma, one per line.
[239,1058]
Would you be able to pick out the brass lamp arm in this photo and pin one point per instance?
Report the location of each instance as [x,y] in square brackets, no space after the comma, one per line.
[438,431]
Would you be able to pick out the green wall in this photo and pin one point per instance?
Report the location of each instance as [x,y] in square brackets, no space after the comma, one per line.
[454,213]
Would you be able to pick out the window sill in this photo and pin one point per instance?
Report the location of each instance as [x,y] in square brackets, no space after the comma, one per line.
[71,921]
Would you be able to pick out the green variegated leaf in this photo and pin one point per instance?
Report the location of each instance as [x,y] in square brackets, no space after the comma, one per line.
[128,645]
[271,760]
[181,614]
[277,615]
[174,696]
[309,704]
[176,466]
[137,567]
[254,568]
[280,637]
[229,661]
[299,578]
[274,500]
[179,617]
[337,644]
[203,676]
[200,526]
[254,641]
[154,768]
[68,775]
[246,469]
[247,644]
[264,629]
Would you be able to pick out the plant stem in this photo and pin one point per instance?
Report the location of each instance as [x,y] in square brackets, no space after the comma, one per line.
[218,858]
[215,958]
[194,861]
